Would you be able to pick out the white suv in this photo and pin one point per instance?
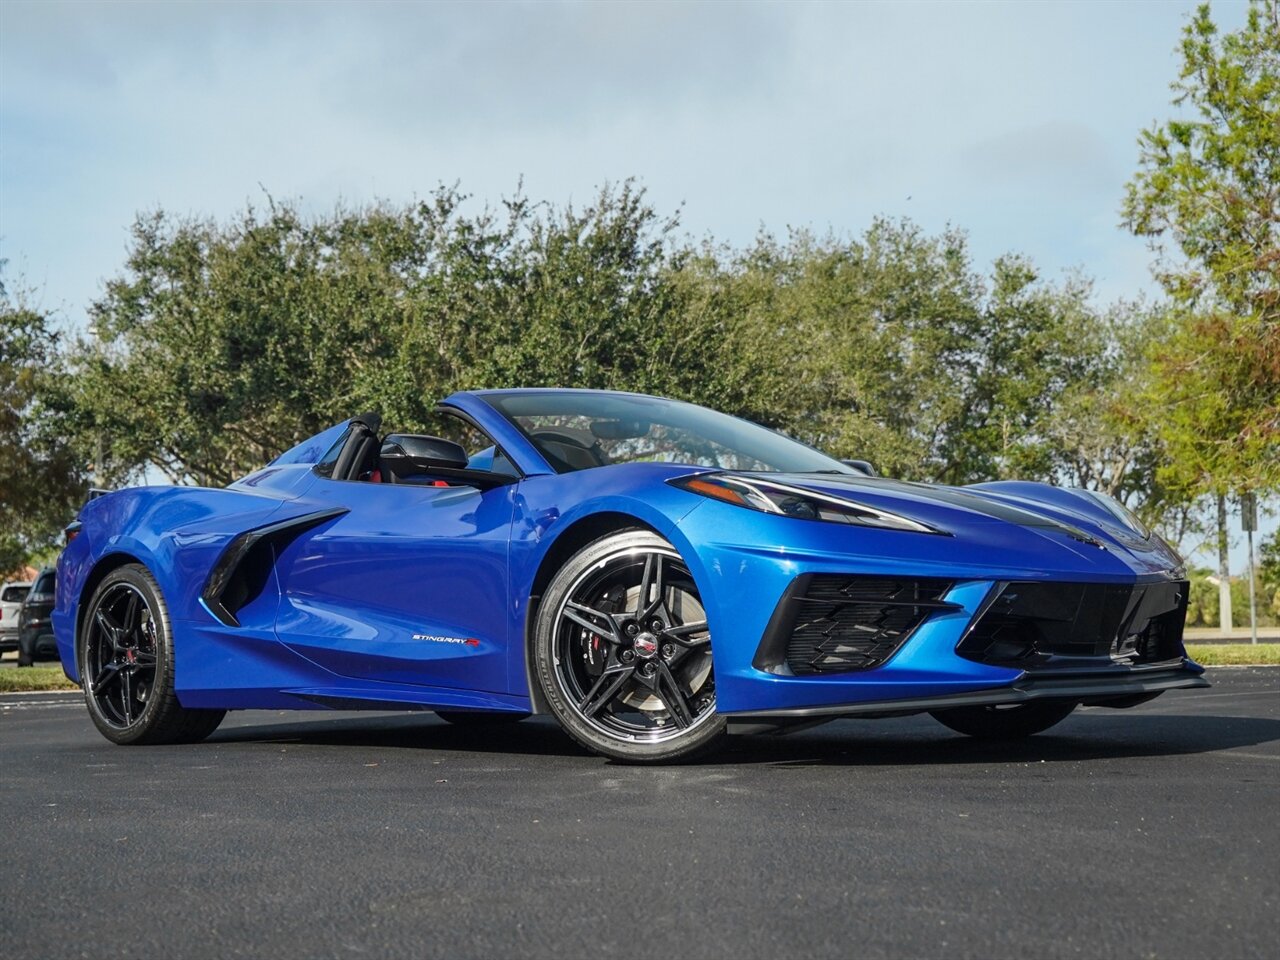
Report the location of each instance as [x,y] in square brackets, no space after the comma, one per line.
[11,596]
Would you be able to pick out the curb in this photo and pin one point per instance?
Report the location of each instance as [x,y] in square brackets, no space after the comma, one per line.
[41,693]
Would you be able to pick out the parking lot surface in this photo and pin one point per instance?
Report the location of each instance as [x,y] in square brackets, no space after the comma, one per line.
[1149,832]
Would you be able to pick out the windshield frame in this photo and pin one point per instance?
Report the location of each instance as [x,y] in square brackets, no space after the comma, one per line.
[770,442]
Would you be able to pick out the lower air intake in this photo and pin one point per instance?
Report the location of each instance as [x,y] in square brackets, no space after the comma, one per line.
[829,623]
[1072,626]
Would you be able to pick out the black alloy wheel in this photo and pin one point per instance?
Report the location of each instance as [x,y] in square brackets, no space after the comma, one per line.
[624,652]
[126,665]
[120,655]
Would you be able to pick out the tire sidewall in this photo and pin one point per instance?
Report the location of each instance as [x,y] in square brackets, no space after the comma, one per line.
[679,748]
[140,578]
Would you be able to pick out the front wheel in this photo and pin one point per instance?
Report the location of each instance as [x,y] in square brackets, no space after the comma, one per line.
[623,652]
[126,665]
[1005,721]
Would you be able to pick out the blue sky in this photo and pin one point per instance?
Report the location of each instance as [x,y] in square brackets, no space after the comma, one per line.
[1015,121]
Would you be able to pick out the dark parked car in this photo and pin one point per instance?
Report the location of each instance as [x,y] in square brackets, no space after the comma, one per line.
[35,632]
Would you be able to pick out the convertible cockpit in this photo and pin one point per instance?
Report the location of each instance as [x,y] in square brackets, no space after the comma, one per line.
[463,457]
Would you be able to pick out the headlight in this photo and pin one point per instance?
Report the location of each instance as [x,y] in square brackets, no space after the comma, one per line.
[769,496]
[1123,514]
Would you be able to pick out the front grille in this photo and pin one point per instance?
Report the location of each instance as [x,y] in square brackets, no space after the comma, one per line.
[1068,626]
[831,623]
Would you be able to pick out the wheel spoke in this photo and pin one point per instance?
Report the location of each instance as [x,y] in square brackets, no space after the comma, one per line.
[109,627]
[126,696]
[680,654]
[604,689]
[132,617]
[680,633]
[672,697]
[108,673]
[581,614]
[652,583]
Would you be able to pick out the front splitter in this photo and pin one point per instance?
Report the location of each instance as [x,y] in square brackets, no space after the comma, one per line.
[1022,691]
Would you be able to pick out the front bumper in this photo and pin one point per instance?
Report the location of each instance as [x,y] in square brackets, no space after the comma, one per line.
[742,584]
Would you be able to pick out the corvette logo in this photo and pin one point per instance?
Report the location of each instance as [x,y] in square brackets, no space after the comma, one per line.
[646,646]
[436,638]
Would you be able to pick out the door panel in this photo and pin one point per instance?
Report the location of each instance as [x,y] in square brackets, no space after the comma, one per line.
[410,586]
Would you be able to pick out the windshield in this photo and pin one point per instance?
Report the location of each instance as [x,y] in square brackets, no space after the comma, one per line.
[580,429]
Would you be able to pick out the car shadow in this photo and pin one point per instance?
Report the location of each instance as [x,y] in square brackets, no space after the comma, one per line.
[903,742]
[415,731]
[1082,737]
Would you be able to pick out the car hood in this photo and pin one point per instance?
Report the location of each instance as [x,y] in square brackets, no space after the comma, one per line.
[1066,517]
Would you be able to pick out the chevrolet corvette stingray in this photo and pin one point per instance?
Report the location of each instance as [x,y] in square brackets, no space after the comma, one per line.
[651,573]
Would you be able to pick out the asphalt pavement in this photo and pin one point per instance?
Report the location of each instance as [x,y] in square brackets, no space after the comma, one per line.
[1149,832]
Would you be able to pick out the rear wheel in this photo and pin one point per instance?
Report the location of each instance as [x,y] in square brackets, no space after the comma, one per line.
[623,652]
[126,665]
[1005,721]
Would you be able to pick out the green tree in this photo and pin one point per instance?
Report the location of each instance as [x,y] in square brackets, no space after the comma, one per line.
[41,479]
[221,345]
[1268,575]
[1100,429]
[1207,194]
[891,346]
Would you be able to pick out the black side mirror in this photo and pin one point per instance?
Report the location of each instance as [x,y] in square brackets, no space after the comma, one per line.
[407,454]
[862,466]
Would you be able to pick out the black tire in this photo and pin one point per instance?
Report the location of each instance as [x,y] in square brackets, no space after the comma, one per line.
[26,650]
[638,686]
[479,718]
[1006,721]
[125,655]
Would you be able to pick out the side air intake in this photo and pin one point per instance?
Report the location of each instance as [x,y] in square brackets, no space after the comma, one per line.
[242,572]
[833,623]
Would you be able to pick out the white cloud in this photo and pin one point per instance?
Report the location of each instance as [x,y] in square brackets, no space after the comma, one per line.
[1015,121]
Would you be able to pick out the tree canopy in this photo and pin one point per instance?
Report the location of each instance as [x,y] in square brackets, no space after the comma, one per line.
[1207,193]
[41,478]
[221,344]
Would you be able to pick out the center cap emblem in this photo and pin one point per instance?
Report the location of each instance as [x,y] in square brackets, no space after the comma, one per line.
[646,646]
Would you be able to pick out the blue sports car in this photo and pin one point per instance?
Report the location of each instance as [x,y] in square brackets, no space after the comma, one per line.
[652,573]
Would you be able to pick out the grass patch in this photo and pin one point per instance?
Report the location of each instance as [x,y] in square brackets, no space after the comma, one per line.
[28,679]
[1234,654]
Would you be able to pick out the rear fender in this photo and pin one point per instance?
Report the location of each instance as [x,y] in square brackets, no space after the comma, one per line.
[178,533]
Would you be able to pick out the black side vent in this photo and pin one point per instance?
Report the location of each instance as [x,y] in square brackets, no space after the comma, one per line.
[831,623]
[242,572]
